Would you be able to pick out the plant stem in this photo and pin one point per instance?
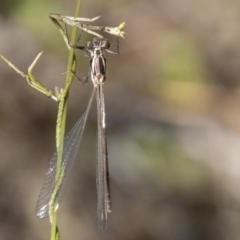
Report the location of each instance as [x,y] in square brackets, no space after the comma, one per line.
[62,113]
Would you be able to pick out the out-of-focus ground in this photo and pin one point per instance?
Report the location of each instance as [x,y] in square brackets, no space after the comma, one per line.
[173,115]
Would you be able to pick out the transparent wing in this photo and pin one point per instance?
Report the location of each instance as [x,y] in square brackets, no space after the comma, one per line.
[55,181]
[103,188]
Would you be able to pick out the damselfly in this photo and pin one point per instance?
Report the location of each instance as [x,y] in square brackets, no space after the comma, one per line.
[55,182]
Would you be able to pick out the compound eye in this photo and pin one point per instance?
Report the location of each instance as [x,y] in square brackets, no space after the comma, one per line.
[106,44]
[89,45]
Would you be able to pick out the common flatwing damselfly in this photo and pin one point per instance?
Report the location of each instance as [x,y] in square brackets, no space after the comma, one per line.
[55,182]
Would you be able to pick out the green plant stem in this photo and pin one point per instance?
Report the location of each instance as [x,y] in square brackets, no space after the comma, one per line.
[62,113]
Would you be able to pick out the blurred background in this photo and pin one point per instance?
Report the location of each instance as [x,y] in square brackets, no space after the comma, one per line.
[173,117]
